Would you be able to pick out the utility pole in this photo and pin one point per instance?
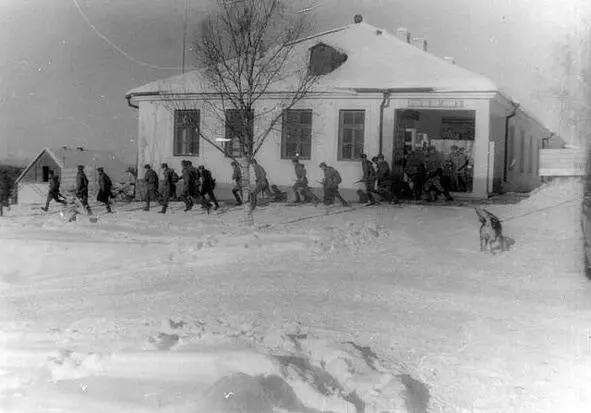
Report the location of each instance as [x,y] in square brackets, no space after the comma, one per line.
[184,36]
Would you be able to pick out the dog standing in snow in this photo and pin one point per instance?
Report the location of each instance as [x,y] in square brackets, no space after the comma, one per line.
[491,230]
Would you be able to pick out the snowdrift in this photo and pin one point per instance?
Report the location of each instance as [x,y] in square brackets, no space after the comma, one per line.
[278,372]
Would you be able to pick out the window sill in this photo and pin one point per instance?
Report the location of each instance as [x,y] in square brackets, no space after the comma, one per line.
[300,158]
[349,160]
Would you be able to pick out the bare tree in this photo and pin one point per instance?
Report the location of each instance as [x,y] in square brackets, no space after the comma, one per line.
[250,73]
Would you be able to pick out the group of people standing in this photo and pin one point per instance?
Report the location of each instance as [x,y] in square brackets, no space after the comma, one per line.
[429,173]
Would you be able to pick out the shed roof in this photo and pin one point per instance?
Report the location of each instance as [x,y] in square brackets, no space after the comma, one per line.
[115,166]
[376,60]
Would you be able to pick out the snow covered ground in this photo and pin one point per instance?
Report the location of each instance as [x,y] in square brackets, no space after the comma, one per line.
[378,309]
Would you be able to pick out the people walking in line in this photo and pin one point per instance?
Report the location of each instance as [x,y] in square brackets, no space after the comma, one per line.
[330,183]
[82,188]
[369,178]
[237,178]
[105,187]
[170,180]
[207,188]
[301,188]
[54,191]
[151,179]
[261,183]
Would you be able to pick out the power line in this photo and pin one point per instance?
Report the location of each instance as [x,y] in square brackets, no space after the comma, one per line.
[123,52]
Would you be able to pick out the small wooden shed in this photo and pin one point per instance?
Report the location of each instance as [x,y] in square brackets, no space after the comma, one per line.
[33,182]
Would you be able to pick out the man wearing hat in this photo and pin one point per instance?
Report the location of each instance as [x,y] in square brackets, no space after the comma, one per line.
[151,179]
[82,188]
[301,184]
[187,185]
[207,187]
[331,182]
[105,187]
[170,179]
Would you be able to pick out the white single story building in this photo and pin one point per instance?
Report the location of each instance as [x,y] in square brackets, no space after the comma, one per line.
[385,93]
[33,183]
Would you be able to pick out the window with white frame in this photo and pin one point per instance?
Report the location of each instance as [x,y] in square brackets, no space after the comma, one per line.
[238,130]
[186,132]
[296,134]
[351,134]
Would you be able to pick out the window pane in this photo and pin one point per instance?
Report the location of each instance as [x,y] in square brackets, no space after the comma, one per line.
[359,117]
[306,151]
[358,150]
[348,117]
[347,152]
[306,117]
[347,136]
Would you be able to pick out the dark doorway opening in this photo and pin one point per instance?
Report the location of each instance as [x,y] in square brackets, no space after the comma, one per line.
[443,137]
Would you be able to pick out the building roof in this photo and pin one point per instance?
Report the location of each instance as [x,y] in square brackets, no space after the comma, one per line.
[115,166]
[376,59]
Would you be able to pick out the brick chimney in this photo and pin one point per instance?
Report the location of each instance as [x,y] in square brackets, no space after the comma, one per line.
[420,43]
[403,34]
[450,60]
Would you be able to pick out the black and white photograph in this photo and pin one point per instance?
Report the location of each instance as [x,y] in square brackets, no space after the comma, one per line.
[304,206]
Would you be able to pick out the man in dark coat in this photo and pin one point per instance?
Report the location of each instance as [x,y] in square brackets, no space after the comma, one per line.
[187,186]
[207,187]
[195,189]
[415,170]
[151,179]
[105,187]
[237,178]
[169,186]
[54,191]
[301,184]
[384,180]
[82,188]
[330,183]
[369,178]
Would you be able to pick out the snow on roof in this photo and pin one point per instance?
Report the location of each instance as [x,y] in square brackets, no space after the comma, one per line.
[375,61]
[70,158]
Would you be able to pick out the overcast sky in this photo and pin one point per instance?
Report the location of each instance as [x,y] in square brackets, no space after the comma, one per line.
[62,84]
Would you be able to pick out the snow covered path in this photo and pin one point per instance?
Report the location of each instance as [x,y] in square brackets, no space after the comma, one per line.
[487,333]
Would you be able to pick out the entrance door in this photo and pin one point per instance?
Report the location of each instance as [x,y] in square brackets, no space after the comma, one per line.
[405,123]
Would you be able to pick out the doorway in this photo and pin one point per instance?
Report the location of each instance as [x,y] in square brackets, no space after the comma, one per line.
[447,134]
